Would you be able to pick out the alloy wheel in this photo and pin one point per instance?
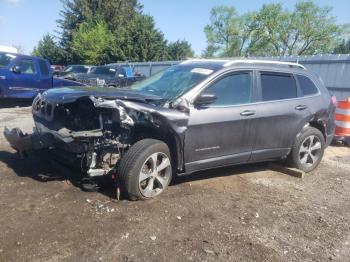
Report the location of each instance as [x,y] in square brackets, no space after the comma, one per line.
[155,175]
[310,151]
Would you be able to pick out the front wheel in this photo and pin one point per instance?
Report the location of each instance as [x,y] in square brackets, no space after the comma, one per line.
[308,150]
[145,170]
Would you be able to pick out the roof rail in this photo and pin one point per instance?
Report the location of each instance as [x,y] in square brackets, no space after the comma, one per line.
[204,60]
[270,62]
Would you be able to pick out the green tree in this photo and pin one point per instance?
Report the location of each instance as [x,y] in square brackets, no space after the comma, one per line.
[135,37]
[117,14]
[210,51]
[308,29]
[142,41]
[93,43]
[228,33]
[180,50]
[222,32]
[343,47]
[49,49]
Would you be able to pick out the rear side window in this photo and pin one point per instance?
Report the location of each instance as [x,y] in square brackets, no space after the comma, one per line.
[43,68]
[307,86]
[233,89]
[276,86]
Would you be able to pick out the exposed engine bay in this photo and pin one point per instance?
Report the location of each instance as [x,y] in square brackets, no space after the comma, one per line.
[92,134]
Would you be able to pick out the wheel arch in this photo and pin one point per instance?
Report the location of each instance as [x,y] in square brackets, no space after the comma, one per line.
[320,125]
[163,134]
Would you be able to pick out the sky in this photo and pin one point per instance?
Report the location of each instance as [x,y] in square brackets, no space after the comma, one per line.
[24,22]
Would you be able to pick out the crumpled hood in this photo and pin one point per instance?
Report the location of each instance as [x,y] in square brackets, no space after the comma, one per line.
[71,94]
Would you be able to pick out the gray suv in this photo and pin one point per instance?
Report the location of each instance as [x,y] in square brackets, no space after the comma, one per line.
[197,115]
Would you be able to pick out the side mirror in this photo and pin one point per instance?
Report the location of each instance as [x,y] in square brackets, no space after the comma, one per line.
[16,69]
[205,99]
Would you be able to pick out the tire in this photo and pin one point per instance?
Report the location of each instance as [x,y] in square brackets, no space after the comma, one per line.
[145,170]
[307,150]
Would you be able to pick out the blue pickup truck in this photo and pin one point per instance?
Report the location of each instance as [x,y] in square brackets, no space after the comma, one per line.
[23,77]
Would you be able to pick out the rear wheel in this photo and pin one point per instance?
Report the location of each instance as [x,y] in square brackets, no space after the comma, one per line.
[145,170]
[308,150]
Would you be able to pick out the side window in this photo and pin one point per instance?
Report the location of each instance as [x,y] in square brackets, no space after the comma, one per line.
[232,90]
[122,71]
[43,68]
[276,86]
[307,86]
[27,66]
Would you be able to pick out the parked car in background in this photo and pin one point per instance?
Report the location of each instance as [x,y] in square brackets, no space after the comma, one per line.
[197,115]
[23,76]
[71,71]
[109,76]
[57,70]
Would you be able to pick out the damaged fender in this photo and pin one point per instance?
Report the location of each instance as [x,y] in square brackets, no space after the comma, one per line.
[169,120]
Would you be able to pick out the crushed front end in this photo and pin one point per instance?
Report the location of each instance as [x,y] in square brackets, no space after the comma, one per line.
[88,134]
[91,134]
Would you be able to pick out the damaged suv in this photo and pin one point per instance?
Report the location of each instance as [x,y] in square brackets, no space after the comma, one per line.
[197,115]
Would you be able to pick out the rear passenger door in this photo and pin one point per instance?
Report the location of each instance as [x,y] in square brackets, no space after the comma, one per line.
[280,114]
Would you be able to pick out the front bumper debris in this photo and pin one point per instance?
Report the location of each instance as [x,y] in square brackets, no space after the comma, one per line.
[24,143]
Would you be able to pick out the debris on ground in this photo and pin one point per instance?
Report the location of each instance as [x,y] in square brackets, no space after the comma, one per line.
[125,236]
[261,215]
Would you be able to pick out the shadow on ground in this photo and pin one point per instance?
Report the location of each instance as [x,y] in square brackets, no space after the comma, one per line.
[37,167]
[34,167]
[13,103]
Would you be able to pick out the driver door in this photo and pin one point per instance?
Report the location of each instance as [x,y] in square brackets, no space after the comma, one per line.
[24,84]
[220,133]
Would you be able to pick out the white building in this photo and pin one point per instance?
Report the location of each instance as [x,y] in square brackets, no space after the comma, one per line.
[8,49]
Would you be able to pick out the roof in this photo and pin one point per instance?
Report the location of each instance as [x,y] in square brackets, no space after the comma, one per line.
[227,62]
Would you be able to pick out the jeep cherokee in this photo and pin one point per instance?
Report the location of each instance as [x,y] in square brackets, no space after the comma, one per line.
[197,115]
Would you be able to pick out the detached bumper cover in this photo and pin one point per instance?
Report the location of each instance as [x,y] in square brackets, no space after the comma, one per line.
[24,142]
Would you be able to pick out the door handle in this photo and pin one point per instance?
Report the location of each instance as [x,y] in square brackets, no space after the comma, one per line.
[300,107]
[248,113]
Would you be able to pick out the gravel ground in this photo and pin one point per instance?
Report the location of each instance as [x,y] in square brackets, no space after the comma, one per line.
[242,213]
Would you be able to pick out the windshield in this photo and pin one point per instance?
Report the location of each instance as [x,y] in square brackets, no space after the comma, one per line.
[5,59]
[103,70]
[172,82]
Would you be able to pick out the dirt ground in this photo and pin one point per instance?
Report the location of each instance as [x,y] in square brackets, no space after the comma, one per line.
[242,213]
